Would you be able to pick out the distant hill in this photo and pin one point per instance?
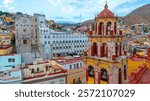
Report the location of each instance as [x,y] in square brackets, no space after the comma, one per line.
[88,22]
[139,15]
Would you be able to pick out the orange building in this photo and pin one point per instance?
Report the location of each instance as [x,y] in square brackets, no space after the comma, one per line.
[106,56]
[137,60]
[140,76]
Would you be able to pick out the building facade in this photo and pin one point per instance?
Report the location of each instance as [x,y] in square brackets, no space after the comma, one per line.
[54,43]
[44,72]
[27,37]
[6,46]
[10,69]
[137,60]
[74,66]
[63,43]
[106,55]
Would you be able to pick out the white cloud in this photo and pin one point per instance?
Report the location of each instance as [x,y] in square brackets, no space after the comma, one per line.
[68,9]
[11,8]
[8,5]
[6,2]
[54,2]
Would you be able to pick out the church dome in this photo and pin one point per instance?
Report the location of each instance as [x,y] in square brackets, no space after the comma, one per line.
[106,13]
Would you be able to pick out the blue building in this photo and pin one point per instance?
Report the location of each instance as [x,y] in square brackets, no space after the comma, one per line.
[10,69]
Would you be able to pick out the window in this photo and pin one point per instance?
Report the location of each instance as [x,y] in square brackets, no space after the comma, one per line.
[70,67]
[32,71]
[35,20]
[13,60]
[74,81]
[24,30]
[24,41]
[80,64]
[62,80]
[52,82]
[9,60]
[38,69]
[77,65]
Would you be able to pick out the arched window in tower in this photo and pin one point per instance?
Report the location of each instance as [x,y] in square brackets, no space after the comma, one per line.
[94,49]
[115,28]
[104,50]
[104,74]
[91,71]
[101,28]
[108,27]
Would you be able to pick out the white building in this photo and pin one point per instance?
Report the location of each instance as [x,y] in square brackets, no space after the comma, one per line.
[62,43]
[54,43]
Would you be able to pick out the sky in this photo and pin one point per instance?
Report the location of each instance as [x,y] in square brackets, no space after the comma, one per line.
[70,10]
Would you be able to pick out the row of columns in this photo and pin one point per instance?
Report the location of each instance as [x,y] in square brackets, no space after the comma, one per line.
[102,50]
[102,28]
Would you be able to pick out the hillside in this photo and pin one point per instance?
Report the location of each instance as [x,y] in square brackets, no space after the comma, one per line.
[139,15]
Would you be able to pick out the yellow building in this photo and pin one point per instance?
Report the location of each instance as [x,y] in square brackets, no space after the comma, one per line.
[105,58]
[74,66]
[5,50]
[138,60]
[75,76]
[6,37]
[5,43]
[8,19]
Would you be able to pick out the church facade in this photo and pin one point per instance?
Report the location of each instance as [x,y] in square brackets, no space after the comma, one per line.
[106,55]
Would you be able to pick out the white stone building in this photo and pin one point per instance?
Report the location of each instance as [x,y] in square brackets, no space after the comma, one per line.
[54,43]
[62,43]
[27,37]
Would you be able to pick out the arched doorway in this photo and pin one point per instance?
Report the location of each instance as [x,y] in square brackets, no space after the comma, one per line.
[94,49]
[91,75]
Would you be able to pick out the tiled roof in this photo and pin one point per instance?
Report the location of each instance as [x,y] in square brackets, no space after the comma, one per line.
[64,61]
[106,13]
[140,76]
